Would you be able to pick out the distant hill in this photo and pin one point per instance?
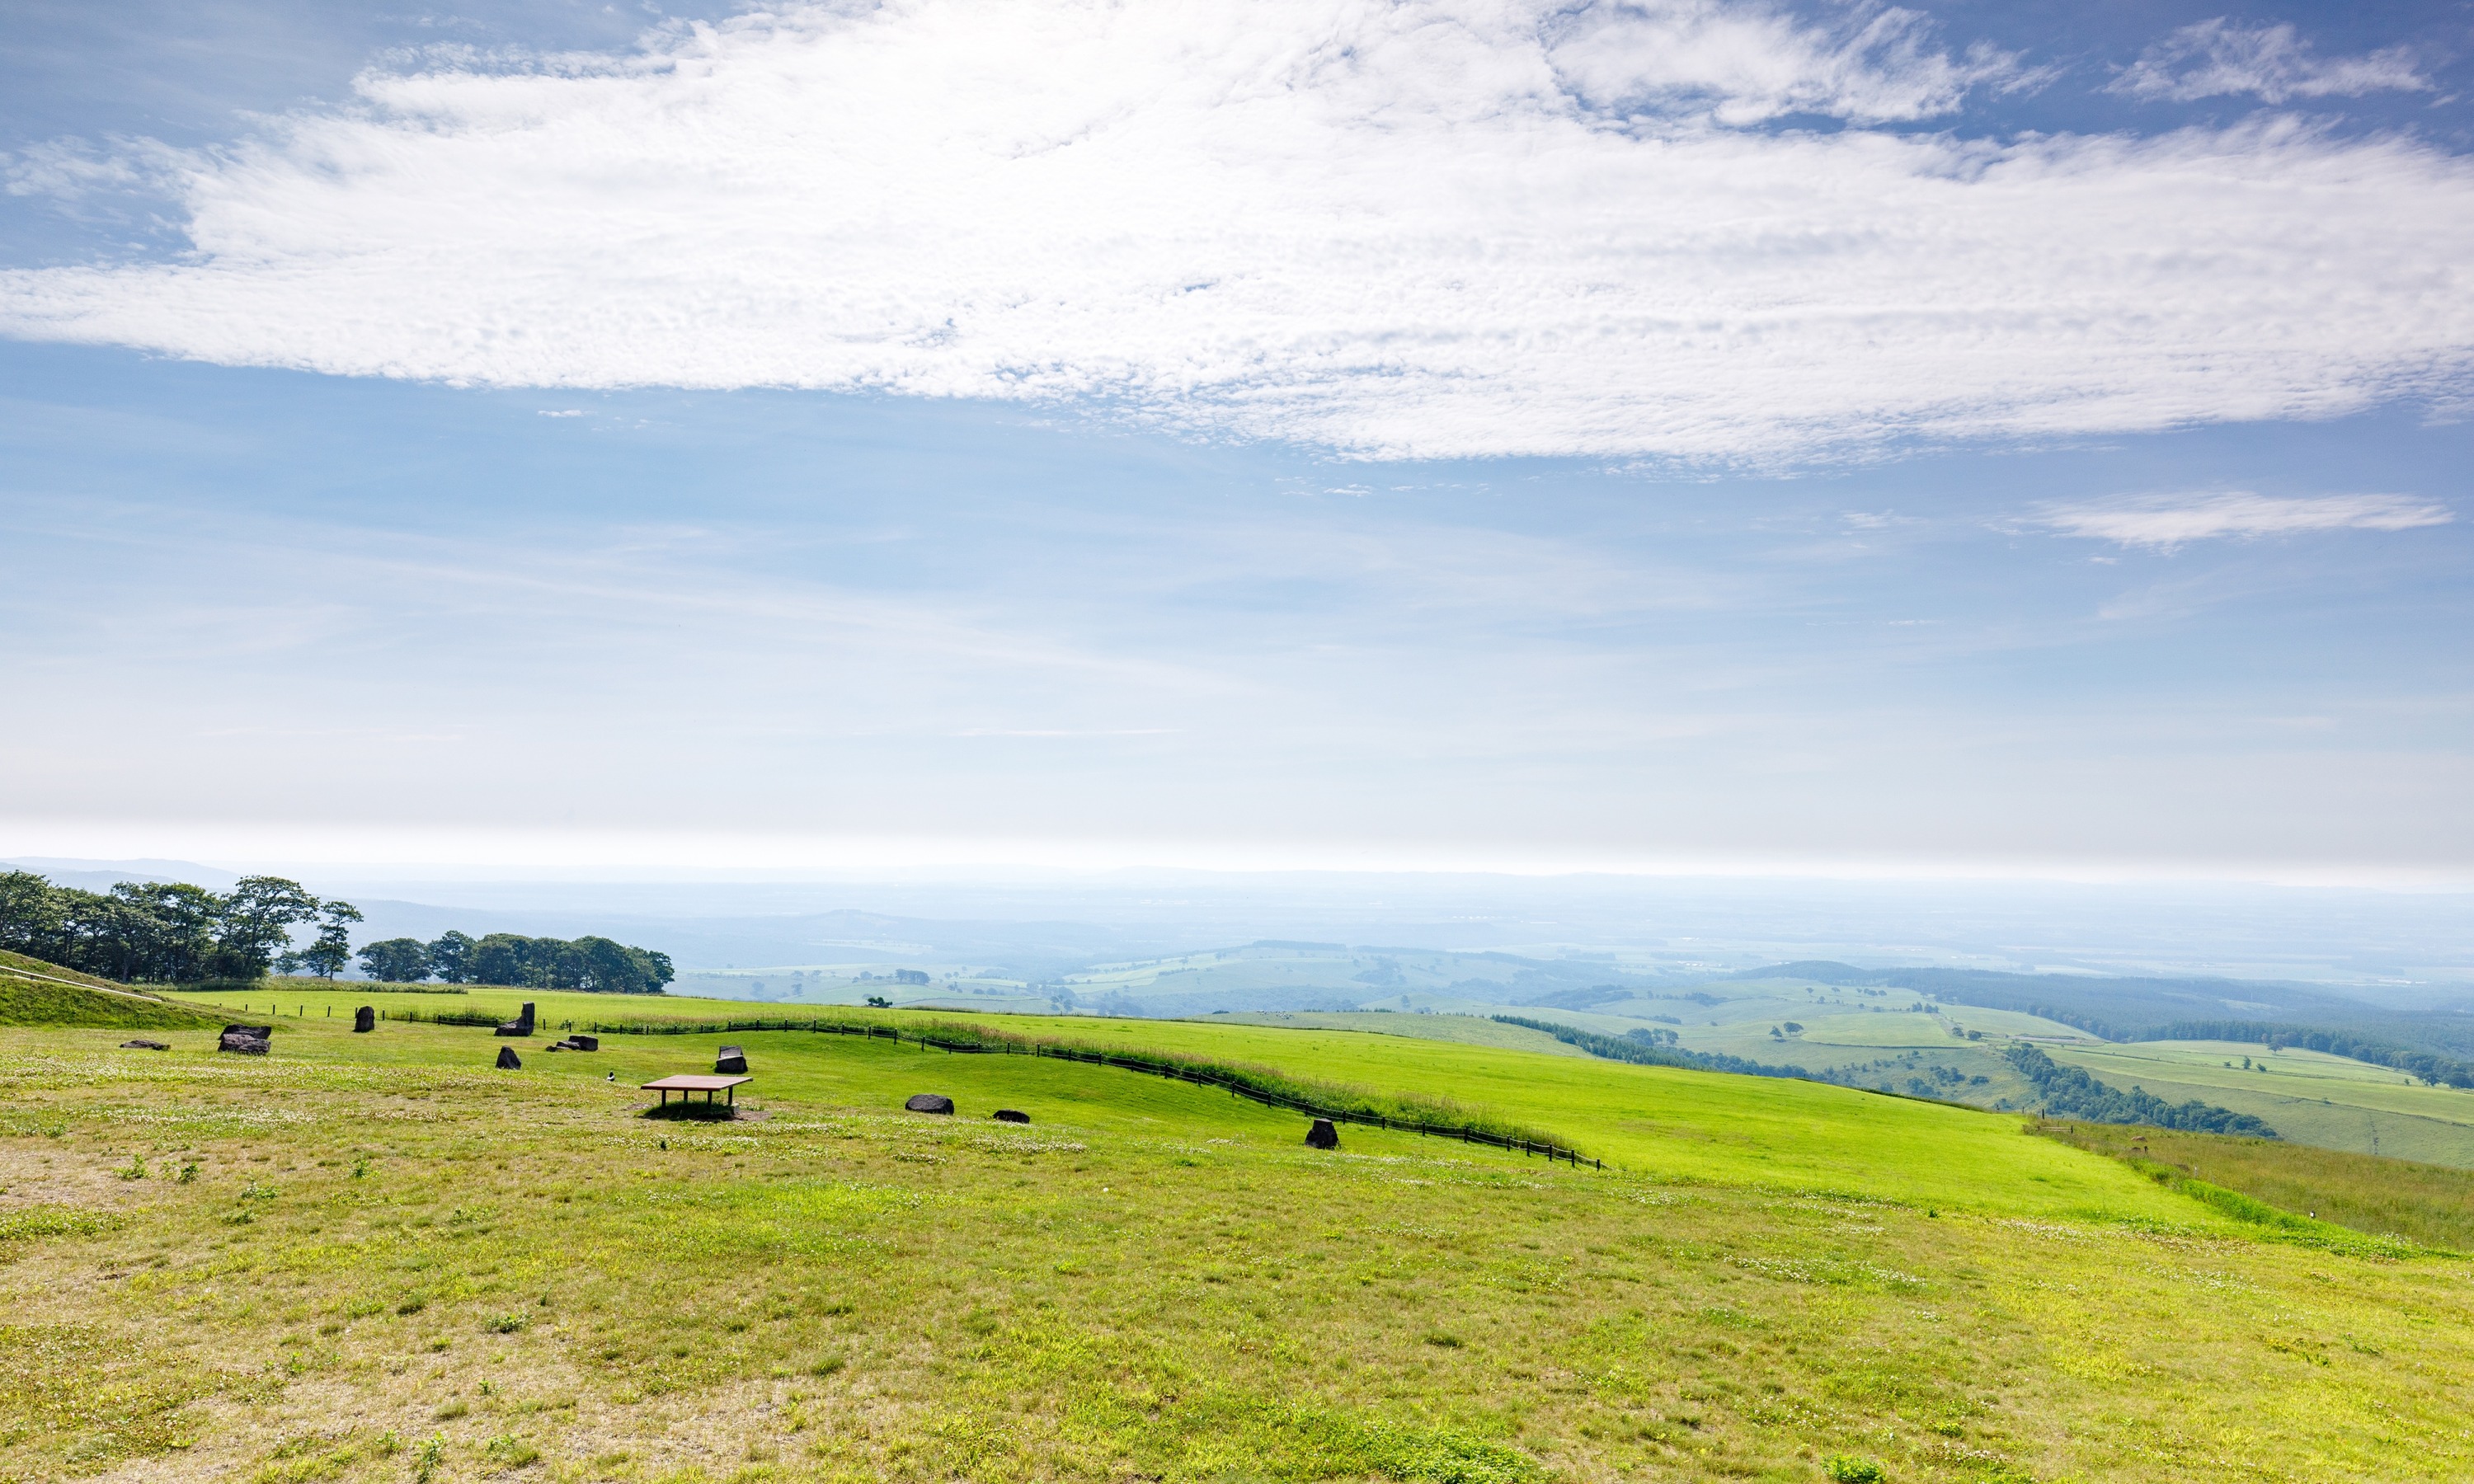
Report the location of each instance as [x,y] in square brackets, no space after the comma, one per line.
[36,992]
[2126,1009]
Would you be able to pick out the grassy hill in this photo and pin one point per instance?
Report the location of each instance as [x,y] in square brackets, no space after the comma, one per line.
[36,992]
[2307,1096]
[375,1257]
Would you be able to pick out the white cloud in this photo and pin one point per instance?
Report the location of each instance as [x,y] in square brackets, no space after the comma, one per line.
[1745,64]
[2217,59]
[2168,521]
[1402,229]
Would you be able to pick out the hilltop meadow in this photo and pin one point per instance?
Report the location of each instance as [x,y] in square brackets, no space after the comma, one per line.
[377,1257]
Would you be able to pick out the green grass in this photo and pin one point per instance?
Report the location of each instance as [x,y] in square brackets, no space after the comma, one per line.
[2307,1096]
[2430,1205]
[29,1000]
[389,1261]
[1467,1029]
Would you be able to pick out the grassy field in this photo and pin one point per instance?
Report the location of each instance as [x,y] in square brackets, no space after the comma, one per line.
[2429,1204]
[375,1257]
[2307,1096]
[1467,1029]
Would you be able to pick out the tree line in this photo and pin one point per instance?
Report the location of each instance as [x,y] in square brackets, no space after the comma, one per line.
[157,932]
[1643,1048]
[2429,1068]
[174,933]
[2068,1092]
[593,965]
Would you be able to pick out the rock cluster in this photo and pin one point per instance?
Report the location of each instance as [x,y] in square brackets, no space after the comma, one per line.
[577,1042]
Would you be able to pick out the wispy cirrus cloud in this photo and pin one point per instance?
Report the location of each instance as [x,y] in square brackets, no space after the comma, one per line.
[2217,59]
[1417,230]
[1745,64]
[2166,522]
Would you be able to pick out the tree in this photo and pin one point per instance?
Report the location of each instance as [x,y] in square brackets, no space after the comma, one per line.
[396,960]
[332,949]
[613,969]
[257,923]
[451,958]
[174,924]
[29,913]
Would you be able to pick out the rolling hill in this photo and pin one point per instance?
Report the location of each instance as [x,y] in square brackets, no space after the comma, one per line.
[379,1256]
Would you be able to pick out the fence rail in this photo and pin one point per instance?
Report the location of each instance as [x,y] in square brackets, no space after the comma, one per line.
[1154,1065]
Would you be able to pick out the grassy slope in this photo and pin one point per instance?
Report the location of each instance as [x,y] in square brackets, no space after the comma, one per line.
[1467,1029]
[385,1242]
[2307,1096]
[41,1002]
[2429,1204]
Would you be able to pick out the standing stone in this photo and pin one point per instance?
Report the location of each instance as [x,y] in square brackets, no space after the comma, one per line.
[1323,1135]
[929,1103]
[508,1060]
[730,1061]
[520,1025]
[364,1020]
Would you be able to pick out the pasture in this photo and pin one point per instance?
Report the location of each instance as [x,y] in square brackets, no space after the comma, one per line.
[2307,1096]
[376,1258]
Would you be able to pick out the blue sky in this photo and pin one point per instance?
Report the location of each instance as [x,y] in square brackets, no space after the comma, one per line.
[2017,441]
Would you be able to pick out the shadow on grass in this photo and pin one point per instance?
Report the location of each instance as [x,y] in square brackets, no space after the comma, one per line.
[693,1113]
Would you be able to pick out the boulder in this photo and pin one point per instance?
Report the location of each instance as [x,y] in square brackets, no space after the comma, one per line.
[364,1020]
[508,1060]
[520,1025]
[730,1061]
[1323,1135]
[144,1045]
[246,1040]
[929,1103]
[584,1044]
[1011,1115]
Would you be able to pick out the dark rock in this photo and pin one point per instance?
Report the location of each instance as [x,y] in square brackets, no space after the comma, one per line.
[1323,1135]
[508,1060]
[246,1040]
[584,1044]
[364,1019]
[930,1102]
[730,1060]
[520,1025]
[1011,1115]
[144,1045]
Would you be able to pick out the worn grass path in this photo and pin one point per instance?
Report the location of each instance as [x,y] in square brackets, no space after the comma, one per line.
[386,1257]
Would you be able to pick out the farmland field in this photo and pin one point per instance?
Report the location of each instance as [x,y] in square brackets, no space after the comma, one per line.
[2307,1096]
[378,1257]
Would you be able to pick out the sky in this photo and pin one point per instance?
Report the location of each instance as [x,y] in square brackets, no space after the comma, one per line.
[1955,440]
